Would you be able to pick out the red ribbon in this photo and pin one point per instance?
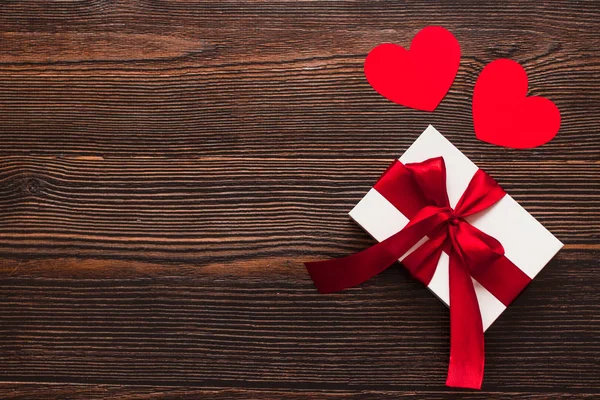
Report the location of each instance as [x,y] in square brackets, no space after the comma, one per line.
[418,190]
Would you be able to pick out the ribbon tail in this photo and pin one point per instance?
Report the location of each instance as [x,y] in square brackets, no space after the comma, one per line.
[341,273]
[467,355]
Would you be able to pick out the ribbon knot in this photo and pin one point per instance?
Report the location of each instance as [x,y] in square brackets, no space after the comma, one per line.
[454,219]
[471,253]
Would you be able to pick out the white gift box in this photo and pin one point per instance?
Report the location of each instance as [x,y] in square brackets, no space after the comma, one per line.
[526,242]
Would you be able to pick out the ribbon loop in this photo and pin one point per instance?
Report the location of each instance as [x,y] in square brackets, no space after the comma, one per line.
[430,177]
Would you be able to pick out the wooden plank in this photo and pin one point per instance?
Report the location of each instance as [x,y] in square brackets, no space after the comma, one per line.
[262,324]
[16,391]
[184,79]
[206,209]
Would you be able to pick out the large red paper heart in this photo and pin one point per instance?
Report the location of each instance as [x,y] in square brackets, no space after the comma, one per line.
[504,116]
[419,78]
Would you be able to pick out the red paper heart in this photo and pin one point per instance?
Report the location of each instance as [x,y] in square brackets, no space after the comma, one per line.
[504,116]
[419,78]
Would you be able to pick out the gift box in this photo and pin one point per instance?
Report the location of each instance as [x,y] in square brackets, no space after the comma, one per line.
[457,231]
[526,242]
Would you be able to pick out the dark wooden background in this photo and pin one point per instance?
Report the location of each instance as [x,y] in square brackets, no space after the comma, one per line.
[166,166]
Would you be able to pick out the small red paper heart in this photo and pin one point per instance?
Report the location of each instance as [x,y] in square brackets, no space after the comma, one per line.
[419,78]
[504,116]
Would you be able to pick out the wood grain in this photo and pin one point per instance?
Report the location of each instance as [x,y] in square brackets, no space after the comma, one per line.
[92,392]
[166,166]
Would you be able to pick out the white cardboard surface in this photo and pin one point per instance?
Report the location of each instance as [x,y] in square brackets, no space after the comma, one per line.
[526,242]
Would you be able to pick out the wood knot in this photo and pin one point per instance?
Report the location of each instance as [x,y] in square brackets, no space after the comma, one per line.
[34,186]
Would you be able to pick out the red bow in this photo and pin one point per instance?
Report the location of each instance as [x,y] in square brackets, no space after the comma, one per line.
[418,190]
